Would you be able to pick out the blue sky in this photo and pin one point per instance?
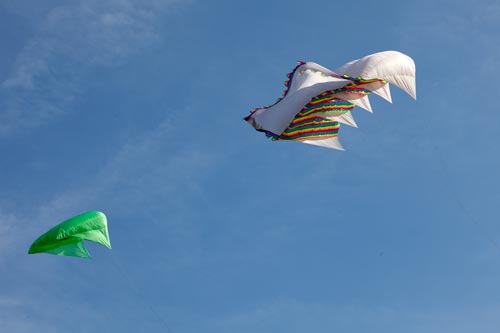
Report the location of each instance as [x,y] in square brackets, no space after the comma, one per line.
[134,108]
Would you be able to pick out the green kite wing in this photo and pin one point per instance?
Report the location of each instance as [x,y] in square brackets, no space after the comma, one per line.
[66,238]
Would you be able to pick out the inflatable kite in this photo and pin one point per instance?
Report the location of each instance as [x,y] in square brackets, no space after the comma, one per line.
[66,238]
[317,99]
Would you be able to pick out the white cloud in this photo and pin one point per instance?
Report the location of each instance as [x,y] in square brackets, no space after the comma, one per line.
[74,39]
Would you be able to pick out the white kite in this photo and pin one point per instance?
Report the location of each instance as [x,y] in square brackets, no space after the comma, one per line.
[317,99]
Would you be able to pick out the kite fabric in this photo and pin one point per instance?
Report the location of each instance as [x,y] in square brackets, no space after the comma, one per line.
[66,238]
[317,100]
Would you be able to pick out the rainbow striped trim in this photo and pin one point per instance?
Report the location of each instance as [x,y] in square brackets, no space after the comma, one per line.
[310,128]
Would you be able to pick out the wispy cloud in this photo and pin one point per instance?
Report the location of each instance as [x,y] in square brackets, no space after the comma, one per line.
[145,171]
[73,40]
[148,175]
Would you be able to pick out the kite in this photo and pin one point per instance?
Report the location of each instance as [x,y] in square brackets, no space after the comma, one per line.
[66,238]
[317,100]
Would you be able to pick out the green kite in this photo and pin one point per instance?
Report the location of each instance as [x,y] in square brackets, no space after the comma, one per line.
[66,238]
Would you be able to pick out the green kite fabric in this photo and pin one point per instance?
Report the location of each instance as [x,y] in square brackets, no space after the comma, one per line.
[66,238]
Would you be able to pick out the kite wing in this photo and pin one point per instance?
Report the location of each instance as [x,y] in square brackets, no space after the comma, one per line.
[66,238]
[317,99]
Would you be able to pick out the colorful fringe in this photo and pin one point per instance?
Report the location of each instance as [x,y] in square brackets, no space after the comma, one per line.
[288,84]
